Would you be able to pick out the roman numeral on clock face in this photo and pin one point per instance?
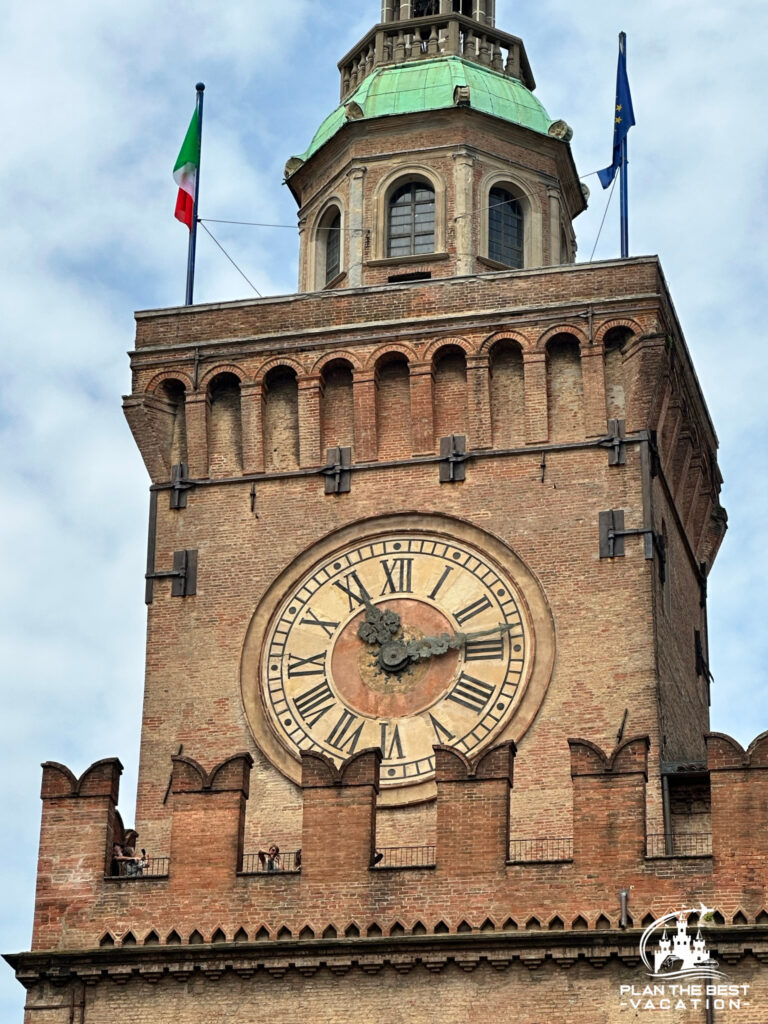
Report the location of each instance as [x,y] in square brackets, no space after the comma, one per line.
[442,734]
[312,666]
[472,693]
[436,589]
[310,619]
[354,589]
[344,737]
[465,614]
[313,703]
[391,744]
[484,650]
[398,572]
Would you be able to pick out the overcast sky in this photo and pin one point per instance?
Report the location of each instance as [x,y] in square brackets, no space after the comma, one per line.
[97,98]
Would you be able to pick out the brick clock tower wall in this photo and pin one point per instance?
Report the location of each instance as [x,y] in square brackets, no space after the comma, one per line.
[395,382]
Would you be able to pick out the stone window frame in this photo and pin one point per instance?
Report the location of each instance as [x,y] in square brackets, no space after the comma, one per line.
[384,191]
[524,192]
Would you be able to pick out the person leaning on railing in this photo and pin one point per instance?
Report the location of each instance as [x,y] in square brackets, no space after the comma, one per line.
[270,860]
[124,862]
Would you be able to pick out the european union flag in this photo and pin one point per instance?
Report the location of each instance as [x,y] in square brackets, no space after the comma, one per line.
[625,115]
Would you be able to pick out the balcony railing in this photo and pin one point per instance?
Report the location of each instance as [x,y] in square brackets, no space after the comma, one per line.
[149,867]
[404,857]
[540,851]
[262,864]
[435,36]
[694,844]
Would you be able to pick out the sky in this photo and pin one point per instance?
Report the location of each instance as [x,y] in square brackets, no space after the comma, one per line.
[97,98]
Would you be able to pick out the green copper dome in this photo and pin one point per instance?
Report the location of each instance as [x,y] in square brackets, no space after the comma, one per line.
[430,85]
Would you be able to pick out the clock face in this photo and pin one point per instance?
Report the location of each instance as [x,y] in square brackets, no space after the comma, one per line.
[401,641]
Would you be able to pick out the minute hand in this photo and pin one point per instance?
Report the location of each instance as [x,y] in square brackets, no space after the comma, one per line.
[433,646]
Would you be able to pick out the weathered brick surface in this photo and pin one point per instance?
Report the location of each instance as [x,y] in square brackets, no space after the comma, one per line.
[460,992]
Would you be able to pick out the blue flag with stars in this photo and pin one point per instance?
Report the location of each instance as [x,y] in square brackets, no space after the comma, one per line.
[624,117]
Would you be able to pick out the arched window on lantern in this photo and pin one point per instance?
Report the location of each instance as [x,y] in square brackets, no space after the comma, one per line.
[506,240]
[328,251]
[411,219]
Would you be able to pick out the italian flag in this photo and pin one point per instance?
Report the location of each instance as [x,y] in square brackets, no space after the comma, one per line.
[185,173]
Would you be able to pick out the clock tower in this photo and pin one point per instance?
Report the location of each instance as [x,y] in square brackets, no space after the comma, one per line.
[451,506]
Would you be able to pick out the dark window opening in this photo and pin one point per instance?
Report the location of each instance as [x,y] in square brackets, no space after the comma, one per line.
[425,8]
[333,249]
[463,7]
[416,275]
[505,228]
[412,220]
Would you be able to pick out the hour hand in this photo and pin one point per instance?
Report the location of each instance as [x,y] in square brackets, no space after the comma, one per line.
[379,625]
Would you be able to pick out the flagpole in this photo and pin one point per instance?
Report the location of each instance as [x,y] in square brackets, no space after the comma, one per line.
[200,87]
[624,183]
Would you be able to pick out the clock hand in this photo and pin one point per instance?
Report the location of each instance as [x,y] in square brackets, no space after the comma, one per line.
[379,626]
[433,646]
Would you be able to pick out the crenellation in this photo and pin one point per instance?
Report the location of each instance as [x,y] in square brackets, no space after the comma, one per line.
[204,892]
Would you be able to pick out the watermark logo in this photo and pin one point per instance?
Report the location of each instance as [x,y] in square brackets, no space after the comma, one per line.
[682,973]
[678,953]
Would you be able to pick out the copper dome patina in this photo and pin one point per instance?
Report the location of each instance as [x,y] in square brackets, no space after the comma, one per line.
[431,85]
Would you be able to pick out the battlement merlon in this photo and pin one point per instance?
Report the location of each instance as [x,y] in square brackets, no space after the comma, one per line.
[208,822]
[739,788]
[609,802]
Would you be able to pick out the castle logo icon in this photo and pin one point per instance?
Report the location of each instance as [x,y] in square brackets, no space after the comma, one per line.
[678,954]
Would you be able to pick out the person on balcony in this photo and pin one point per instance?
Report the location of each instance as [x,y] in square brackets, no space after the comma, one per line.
[270,859]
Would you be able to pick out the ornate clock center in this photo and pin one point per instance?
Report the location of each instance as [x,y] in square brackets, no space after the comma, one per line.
[382,682]
[394,657]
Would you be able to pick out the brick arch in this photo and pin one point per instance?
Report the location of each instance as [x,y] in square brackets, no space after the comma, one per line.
[272,364]
[603,329]
[232,368]
[575,332]
[319,366]
[178,375]
[392,349]
[434,347]
[493,339]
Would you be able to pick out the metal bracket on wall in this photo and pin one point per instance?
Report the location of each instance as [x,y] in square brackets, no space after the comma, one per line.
[617,455]
[180,484]
[183,576]
[653,448]
[453,457]
[702,665]
[702,584]
[338,471]
[612,533]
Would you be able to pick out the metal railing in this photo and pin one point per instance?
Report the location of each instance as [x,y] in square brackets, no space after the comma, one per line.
[262,864]
[149,867]
[694,844]
[434,36]
[544,850]
[404,857]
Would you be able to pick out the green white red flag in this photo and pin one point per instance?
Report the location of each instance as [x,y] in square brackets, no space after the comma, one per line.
[185,173]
